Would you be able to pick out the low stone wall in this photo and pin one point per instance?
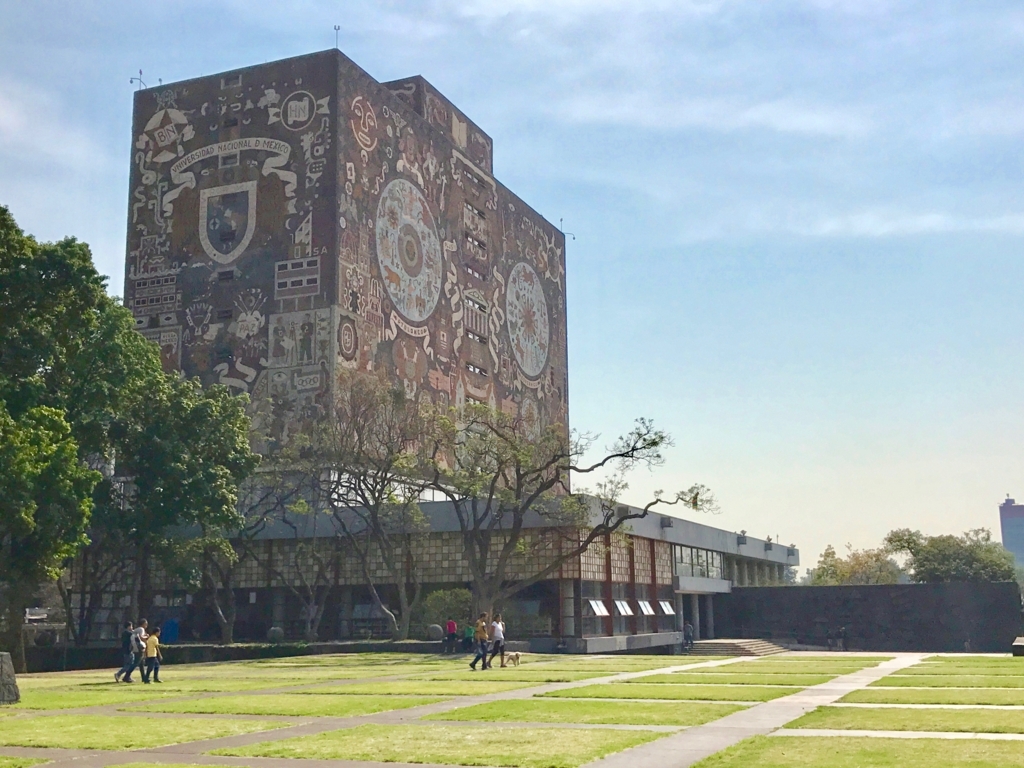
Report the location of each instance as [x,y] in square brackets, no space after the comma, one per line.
[53,659]
[898,617]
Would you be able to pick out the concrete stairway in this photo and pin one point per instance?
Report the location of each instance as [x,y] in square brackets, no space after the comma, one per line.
[735,648]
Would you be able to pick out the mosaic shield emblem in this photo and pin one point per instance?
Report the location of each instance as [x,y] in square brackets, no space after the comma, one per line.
[227,220]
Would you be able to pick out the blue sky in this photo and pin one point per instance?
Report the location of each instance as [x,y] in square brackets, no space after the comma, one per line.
[798,222]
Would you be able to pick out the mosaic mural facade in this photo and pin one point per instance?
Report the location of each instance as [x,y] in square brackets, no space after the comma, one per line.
[293,219]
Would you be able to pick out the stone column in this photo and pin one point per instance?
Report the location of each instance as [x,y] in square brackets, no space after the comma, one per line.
[695,610]
[709,602]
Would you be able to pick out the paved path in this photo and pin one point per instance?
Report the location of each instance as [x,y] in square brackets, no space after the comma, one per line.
[694,744]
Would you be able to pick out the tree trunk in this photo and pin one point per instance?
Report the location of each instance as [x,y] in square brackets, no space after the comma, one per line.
[393,629]
[314,612]
[17,602]
[225,619]
[483,598]
[223,611]
[65,598]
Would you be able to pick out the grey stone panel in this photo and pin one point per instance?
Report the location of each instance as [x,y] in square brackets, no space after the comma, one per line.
[9,693]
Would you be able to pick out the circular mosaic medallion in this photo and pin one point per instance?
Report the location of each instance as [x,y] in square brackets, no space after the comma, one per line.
[408,250]
[526,311]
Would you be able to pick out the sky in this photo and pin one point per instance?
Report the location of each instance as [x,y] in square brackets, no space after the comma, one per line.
[797,223]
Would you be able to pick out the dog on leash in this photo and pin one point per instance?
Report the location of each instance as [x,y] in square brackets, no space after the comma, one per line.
[513,658]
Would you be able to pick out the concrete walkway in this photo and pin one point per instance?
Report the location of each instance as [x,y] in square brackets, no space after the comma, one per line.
[694,744]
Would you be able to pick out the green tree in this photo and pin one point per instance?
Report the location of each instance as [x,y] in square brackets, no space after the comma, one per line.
[974,556]
[66,345]
[502,476]
[49,300]
[860,566]
[183,451]
[362,461]
[45,500]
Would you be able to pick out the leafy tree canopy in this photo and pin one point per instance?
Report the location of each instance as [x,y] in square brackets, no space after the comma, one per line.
[860,566]
[974,556]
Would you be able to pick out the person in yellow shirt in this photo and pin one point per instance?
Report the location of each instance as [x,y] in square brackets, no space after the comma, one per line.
[153,657]
[480,635]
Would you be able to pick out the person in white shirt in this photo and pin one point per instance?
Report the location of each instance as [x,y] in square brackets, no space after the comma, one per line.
[497,639]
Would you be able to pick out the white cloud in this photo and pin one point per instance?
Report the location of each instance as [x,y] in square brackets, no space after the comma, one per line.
[649,111]
[574,9]
[32,128]
[881,223]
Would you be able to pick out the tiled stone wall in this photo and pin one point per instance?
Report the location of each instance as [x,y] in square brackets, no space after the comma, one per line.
[642,559]
[621,545]
[663,561]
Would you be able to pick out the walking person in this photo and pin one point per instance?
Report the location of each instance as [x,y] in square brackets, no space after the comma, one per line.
[467,637]
[138,646]
[153,658]
[497,639]
[842,638]
[451,632]
[127,657]
[480,637]
[688,636]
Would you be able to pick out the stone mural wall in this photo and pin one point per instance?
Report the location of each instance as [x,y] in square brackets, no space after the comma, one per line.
[296,218]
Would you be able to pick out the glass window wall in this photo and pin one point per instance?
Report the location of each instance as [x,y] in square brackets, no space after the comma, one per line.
[703,563]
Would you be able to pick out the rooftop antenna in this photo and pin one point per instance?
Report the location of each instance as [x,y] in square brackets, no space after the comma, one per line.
[138,80]
[570,234]
[336,30]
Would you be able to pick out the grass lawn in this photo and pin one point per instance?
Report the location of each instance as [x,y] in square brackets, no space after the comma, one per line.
[426,687]
[889,719]
[57,698]
[630,664]
[735,679]
[514,675]
[673,692]
[788,668]
[949,681]
[292,704]
[62,680]
[936,696]
[592,712]
[117,733]
[454,744]
[842,658]
[949,669]
[17,762]
[813,752]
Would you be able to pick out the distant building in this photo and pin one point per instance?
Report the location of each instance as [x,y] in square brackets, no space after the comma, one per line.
[1011,521]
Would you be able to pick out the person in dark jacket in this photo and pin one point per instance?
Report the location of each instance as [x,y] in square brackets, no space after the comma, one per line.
[127,655]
